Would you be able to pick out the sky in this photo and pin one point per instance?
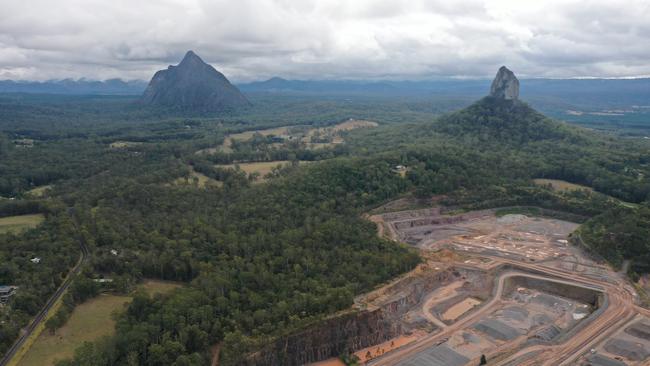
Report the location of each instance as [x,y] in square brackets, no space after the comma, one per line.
[325,39]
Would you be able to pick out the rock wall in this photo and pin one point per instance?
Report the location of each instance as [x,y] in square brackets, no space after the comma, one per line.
[409,292]
[354,331]
[329,339]
[505,85]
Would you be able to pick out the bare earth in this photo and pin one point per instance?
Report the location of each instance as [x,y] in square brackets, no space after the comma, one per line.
[460,308]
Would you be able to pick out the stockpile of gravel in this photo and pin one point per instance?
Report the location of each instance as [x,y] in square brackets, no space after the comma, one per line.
[515,313]
[551,302]
[599,360]
[436,356]
[541,319]
[497,329]
[630,350]
[639,330]
[471,338]
[548,333]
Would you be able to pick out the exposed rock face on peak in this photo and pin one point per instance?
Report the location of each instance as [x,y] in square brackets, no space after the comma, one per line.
[193,86]
[505,85]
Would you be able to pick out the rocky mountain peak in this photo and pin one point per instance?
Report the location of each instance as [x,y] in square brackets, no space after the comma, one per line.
[191,57]
[193,86]
[505,85]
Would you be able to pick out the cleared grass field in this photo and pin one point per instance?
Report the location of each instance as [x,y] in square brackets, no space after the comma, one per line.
[302,132]
[89,321]
[20,223]
[262,168]
[247,135]
[353,124]
[333,132]
[38,191]
[159,287]
[244,136]
[124,144]
[202,180]
[561,185]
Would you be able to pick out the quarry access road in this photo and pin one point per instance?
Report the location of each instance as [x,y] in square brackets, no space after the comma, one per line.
[433,298]
[434,339]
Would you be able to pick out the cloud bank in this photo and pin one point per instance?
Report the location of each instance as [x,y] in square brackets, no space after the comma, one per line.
[325,39]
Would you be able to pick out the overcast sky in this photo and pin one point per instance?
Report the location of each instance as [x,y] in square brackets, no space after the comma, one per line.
[325,39]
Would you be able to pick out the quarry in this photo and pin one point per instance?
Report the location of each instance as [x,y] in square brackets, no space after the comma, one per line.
[512,288]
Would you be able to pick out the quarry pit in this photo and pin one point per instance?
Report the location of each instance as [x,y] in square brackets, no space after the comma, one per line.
[511,288]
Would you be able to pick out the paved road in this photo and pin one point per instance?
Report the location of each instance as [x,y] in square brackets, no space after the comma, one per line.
[43,313]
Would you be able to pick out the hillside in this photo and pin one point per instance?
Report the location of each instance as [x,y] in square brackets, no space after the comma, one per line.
[495,119]
[502,117]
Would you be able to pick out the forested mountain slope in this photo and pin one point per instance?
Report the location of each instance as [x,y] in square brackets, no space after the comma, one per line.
[506,121]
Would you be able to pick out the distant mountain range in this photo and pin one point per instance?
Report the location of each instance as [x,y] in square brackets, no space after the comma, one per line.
[637,90]
[589,91]
[69,86]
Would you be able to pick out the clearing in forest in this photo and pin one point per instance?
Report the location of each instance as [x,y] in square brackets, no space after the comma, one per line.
[352,124]
[261,168]
[312,137]
[17,224]
[560,185]
[124,144]
[89,321]
[201,180]
[39,191]
[153,287]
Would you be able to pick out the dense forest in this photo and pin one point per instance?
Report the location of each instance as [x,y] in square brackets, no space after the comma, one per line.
[262,260]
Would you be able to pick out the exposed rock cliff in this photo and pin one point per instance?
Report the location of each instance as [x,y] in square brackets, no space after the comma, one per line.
[354,331]
[505,85]
[330,339]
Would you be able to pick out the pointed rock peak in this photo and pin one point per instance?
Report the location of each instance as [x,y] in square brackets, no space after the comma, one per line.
[193,86]
[190,56]
[505,85]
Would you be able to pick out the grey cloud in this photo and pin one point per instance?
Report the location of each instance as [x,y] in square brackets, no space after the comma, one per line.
[312,39]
